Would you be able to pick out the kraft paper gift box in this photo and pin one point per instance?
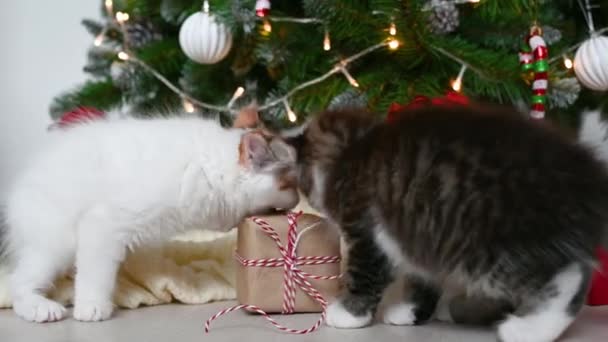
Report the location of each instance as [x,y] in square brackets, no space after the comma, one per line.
[264,286]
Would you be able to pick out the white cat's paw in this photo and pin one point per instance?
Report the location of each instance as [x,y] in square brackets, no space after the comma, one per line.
[338,317]
[517,329]
[400,314]
[39,309]
[93,311]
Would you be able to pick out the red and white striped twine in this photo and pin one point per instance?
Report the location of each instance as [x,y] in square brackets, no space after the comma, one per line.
[293,278]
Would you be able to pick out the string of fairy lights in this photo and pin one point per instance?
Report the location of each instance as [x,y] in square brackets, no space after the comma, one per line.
[118,20]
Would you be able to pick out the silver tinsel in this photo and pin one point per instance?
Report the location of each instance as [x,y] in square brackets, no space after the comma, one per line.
[551,34]
[348,99]
[444,17]
[563,93]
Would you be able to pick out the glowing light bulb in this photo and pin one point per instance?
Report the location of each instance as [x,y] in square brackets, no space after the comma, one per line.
[392,30]
[98,40]
[121,17]
[237,93]
[188,106]
[393,44]
[109,6]
[349,77]
[123,56]
[457,85]
[266,26]
[568,62]
[326,41]
[291,115]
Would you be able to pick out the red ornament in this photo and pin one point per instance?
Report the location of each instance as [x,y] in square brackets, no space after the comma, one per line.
[262,8]
[598,294]
[451,99]
[77,115]
[534,58]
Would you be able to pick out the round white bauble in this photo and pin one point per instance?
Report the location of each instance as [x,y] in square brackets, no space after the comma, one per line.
[203,39]
[591,63]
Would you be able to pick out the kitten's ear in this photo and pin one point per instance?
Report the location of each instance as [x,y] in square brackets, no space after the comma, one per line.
[295,136]
[247,117]
[282,151]
[296,142]
[254,151]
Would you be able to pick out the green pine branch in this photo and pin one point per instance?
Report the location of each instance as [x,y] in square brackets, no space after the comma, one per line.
[102,95]
[92,26]
[269,65]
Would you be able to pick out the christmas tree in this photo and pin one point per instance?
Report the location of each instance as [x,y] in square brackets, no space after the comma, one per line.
[297,57]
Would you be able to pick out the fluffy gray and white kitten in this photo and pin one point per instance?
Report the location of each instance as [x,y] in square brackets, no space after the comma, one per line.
[475,198]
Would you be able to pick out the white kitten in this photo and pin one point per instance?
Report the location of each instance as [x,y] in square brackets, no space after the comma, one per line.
[101,187]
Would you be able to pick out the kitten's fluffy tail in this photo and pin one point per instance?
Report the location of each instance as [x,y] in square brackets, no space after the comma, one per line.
[594,134]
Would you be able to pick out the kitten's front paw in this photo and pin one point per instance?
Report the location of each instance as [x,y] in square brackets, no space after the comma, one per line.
[39,309]
[517,329]
[338,317]
[400,314]
[93,311]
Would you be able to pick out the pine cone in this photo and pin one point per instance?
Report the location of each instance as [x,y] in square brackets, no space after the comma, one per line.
[141,33]
[444,17]
[563,93]
[134,82]
[125,75]
[348,99]
[551,35]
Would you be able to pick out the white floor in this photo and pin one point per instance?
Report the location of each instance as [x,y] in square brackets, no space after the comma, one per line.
[181,323]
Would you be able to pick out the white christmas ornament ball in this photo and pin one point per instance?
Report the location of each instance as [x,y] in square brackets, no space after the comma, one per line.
[203,39]
[591,63]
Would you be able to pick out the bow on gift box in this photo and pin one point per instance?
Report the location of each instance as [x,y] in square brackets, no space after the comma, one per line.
[452,98]
[293,276]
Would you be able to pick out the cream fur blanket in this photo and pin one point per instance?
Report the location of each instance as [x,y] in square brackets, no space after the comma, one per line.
[193,268]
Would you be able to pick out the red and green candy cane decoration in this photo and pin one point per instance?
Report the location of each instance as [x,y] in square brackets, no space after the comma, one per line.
[533,57]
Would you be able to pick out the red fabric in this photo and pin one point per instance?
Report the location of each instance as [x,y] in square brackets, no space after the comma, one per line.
[78,115]
[452,98]
[598,295]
